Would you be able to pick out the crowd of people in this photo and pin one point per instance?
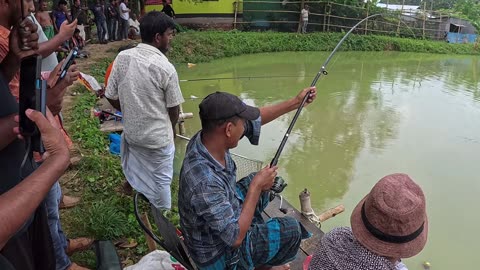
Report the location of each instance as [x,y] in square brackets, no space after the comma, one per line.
[221,218]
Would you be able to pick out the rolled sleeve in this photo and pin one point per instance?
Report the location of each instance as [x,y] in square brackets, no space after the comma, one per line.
[112,87]
[212,205]
[173,94]
[252,130]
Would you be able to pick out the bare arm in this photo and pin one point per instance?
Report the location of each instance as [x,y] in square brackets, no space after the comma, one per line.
[6,129]
[269,113]
[115,104]
[20,202]
[173,113]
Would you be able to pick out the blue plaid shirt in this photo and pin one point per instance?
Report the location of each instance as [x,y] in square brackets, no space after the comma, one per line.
[208,203]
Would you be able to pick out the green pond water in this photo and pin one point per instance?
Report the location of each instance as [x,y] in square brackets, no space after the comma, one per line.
[375,114]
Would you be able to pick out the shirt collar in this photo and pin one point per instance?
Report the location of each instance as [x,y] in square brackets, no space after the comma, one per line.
[148,47]
[203,151]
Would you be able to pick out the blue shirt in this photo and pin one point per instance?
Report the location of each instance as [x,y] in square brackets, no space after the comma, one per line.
[208,203]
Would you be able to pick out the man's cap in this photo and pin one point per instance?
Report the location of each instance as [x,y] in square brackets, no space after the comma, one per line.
[221,105]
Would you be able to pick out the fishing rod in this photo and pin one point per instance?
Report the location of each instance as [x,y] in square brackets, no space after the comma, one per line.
[279,184]
[241,77]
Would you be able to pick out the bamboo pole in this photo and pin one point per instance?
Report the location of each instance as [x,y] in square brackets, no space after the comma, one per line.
[400,18]
[324,16]
[150,242]
[235,4]
[302,5]
[366,22]
[424,18]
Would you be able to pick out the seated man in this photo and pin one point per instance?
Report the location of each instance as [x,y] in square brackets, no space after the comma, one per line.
[134,27]
[221,219]
[389,224]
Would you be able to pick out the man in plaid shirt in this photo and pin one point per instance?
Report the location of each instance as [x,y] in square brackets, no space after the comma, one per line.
[221,218]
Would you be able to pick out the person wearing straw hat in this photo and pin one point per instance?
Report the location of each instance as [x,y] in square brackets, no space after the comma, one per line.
[389,224]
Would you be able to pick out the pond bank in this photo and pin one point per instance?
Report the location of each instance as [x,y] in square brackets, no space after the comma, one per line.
[205,46]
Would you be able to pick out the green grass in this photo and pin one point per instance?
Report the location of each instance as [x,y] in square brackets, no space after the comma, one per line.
[206,46]
[107,213]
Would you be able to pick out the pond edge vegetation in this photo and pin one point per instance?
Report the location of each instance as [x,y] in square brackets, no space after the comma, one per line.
[106,212]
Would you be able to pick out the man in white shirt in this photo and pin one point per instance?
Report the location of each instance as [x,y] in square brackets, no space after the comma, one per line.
[134,27]
[144,86]
[124,17]
[304,17]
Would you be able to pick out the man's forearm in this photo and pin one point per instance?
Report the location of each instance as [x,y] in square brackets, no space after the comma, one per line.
[48,47]
[6,130]
[115,104]
[20,202]
[269,113]
[246,216]
[174,113]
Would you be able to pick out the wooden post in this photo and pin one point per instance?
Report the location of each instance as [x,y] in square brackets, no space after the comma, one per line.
[235,4]
[299,28]
[150,242]
[366,22]
[424,18]
[400,18]
[329,12]
[324,16]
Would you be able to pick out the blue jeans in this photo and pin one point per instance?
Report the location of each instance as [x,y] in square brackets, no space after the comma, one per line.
[58,237]
[102,31]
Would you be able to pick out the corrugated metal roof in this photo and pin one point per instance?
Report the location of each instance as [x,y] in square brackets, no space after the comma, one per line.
[396,7]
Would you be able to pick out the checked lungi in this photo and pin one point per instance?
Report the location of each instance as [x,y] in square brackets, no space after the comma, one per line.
[268,243]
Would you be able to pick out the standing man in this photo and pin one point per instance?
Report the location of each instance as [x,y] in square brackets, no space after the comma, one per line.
[43,17]
[100,20]
[221,218]
[112,20]
[60,15]
[123,21]
[304,18]
[144,85]
[80,13]
[167,9]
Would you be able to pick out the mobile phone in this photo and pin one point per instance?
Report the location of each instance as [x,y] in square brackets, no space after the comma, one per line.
[30,92]
[68,62]
[78,14]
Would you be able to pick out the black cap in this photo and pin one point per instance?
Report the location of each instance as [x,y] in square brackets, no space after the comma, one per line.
[221,105]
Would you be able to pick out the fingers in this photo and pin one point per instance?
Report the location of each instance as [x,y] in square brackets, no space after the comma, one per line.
[40,120]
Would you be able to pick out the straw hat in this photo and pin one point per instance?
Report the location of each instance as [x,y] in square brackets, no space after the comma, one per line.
[391,220]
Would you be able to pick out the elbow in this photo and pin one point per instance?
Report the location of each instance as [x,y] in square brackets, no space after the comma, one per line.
[237,242]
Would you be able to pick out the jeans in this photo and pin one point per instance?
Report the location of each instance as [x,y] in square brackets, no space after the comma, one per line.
[58,237]
[123,29]
[102,31]
[304,27]
[112,29]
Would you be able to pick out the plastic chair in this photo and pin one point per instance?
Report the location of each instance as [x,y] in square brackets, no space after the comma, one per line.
[169,239]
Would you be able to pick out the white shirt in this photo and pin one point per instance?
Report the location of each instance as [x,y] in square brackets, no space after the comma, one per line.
[135,24]
[304,15]
[123,15]
[146,84]
[49,62]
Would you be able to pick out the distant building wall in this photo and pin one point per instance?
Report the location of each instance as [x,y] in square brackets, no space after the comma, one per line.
[189,8]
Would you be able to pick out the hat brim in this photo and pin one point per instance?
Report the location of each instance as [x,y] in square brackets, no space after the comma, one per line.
[382,248]
[250,113]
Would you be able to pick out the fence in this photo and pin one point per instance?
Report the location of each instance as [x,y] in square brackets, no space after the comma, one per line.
[284,16]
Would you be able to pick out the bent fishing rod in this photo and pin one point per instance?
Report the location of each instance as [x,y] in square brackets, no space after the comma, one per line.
[322,71]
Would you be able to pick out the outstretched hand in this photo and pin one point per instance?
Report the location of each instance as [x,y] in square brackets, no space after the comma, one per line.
[311,91]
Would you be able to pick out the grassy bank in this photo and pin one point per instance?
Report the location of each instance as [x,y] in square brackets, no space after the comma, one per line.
[206,46]
[106,212]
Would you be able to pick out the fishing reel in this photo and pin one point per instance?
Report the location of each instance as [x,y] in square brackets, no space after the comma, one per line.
[278,185]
